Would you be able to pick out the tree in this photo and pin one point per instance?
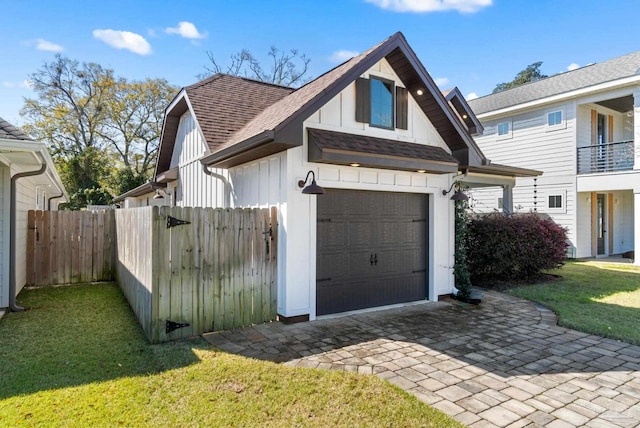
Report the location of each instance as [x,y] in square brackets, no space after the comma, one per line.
[287,68]
[69,111]
[530,74]
[96,125]
[134,122]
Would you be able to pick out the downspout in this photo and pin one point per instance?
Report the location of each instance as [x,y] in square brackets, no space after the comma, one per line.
[225,182]
[12,234]
[51,198]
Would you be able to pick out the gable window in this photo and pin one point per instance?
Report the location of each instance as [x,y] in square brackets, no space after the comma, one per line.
[504,129]
[381,104]
[554,118]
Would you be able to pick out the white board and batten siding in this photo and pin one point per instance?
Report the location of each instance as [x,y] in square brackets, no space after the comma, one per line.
[532,144]
[297,271]
[195,188]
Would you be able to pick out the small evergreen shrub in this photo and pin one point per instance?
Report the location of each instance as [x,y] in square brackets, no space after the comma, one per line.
[511,247]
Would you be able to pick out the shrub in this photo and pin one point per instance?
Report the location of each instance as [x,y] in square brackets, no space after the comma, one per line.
[511,247]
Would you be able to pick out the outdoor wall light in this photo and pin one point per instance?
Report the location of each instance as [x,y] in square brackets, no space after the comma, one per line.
[459,195]
[313,188]
[158,195]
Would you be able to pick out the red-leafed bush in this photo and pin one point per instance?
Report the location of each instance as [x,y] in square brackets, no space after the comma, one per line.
[516,246]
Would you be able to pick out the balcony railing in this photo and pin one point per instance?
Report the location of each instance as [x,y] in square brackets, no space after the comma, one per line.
[609,157]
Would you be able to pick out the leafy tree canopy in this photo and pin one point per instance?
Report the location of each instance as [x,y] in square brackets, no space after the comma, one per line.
[96,125]
[529,74]
[287,68]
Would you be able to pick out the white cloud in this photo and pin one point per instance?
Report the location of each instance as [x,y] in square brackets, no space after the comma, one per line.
[45,45]
[342,55]
[424,6]
[187,30]
[441,81]
[573,66]
[471,96]
[26,83]
[124,40]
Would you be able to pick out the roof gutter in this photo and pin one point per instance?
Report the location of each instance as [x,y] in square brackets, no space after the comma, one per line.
[12,233]
[236,149]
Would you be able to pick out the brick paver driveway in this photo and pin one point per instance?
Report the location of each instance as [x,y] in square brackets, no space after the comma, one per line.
[502,363]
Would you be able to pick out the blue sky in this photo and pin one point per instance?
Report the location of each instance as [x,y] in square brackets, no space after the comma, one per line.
[472,44]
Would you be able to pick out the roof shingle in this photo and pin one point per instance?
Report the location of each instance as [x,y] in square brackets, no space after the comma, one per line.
[607,71]
[10,132]
[223,104]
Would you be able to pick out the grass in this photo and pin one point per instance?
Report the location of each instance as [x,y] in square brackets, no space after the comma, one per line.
[78,358]
[594,297]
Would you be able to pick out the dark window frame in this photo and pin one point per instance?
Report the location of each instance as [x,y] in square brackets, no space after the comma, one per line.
[390,84]
[399,108]
[555,202]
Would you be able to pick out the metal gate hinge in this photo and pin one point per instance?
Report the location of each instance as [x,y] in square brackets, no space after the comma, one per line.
[172,325]
[172,222]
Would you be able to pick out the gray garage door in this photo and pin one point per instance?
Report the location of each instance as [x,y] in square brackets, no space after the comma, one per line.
[371,249]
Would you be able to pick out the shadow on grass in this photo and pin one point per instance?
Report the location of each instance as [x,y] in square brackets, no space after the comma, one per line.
[75,335]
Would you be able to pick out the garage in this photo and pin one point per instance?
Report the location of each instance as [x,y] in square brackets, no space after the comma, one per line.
[371,249]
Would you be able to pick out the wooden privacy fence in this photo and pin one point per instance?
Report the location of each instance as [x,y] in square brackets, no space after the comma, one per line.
[69,247]
[186,271]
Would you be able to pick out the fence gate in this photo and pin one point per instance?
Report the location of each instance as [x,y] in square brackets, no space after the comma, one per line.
[70,247]
[186,271]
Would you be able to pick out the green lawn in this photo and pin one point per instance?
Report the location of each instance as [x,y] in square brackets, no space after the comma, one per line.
[78,358]
[594,297]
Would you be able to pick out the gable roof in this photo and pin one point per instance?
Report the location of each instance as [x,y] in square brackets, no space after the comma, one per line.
[591,75]
[10,132]
[460,106]
[221,105]
[279,126]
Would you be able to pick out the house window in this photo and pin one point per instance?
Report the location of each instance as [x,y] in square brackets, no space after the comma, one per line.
[500,203]
[555,201]
[554,118]
[504,129]
[381,104]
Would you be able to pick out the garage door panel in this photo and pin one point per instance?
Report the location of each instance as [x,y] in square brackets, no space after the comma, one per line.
[389,226]
[359,234]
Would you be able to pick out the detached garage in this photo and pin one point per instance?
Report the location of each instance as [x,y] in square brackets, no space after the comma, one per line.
[371,249]
[378,136]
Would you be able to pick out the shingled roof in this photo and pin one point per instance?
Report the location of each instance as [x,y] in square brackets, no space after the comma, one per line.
[242,120]
[607,71]
[224,104]
[280,125]
[10,132]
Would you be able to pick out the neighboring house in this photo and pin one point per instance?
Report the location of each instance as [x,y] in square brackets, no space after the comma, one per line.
[379,137]
[28,181]
[582,129]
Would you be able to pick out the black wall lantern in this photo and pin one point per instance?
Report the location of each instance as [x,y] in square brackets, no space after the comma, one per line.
[313,188]
[459,195]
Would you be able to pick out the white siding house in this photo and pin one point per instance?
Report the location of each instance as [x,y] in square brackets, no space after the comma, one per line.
[376,134]
[37,186]
[582,129]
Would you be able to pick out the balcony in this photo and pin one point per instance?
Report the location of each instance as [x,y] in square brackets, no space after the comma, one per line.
[609,157]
